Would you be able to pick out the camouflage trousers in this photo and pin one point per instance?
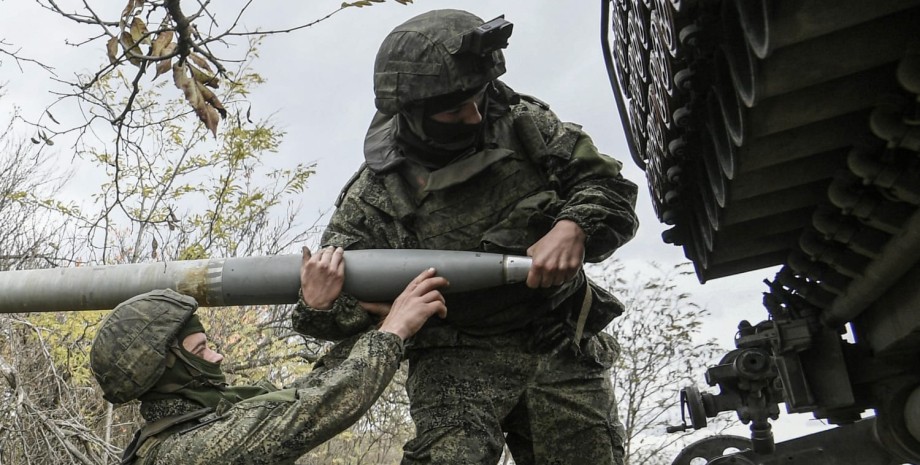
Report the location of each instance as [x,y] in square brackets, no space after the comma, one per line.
[473,396]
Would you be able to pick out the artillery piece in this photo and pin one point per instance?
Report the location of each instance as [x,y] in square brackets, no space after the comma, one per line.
[786,133]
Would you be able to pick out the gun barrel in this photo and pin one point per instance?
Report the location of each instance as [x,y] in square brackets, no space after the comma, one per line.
[370,275]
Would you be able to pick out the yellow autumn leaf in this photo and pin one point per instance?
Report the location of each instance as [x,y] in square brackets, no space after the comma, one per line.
[139,31]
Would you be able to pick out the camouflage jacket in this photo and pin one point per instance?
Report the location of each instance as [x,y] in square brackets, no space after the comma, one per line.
[278,427]
[379,209]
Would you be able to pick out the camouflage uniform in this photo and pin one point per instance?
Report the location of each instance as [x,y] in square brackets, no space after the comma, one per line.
[505,361]
[131,351]
[279,427]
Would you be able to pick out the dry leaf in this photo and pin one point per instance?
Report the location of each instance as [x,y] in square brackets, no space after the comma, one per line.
[201,62]
[139,31]
[212,100]
[210,117]
[164,65]
[129,8]
[192,90]
[207,79]
[111,49]
[186,84]
[160,43]
[208,112]
[130,47]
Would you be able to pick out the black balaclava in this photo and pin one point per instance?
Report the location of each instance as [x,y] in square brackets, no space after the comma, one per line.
[434,144]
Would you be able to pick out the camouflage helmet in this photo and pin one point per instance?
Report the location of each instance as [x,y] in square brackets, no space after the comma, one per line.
[422,58]
[131,348]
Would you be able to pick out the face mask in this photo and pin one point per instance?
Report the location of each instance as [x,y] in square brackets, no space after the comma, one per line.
[451,133]
[199,380]
[423,149]
[434,144]
[454,133]
[209,372]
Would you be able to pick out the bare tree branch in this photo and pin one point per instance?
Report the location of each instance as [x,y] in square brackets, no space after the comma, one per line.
[20,60]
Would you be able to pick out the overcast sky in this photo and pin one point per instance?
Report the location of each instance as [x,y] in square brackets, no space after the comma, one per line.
[319,90]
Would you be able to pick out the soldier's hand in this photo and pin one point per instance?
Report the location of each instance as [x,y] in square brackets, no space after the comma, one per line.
[322,276]
[557,256]
[418,302]
[379,309]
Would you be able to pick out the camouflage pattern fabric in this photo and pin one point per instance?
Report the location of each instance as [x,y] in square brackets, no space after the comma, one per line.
[153,410]
[279,427]
[416,61]
[467,384]
[380,211]
[495,370]
[129,351]
[557,407]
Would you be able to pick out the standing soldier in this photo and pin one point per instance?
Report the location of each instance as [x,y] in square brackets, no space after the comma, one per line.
[457,160]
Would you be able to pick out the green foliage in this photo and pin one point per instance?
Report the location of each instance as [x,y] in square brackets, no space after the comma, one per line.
[67,337]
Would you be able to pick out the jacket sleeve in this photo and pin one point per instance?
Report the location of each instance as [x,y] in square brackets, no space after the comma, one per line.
[599,199]
[596,195]
[281,426]
[355,224]
[346,318]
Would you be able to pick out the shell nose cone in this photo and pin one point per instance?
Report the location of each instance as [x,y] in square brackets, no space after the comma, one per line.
[516,268]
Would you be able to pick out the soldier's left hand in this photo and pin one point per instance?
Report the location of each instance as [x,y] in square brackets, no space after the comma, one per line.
[557,256]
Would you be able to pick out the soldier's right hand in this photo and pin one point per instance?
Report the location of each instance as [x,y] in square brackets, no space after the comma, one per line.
[418,302]
[322,276]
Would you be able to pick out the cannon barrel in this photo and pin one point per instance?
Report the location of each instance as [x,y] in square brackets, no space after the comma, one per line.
[370,275]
